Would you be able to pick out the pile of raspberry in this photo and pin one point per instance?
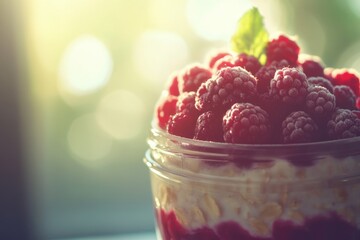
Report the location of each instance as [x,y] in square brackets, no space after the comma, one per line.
[233,98]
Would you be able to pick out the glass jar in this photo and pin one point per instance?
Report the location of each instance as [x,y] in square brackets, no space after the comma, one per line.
[217,191]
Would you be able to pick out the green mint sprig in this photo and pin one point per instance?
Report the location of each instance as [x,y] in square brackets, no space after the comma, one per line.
[251,36]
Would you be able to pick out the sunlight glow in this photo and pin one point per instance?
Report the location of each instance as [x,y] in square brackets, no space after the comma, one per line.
[215,20]
[85,66]
[87,141]
[121,114]
[158,53]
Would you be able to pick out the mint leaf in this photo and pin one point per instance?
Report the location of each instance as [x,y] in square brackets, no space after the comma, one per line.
[251,36]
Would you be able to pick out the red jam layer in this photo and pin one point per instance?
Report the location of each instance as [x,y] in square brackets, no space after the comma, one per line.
[330,227]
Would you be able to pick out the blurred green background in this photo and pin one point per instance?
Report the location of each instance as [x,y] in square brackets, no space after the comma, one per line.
[93,70]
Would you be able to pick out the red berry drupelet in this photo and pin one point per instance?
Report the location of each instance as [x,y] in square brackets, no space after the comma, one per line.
[209,127]
[319,102]
[192,77]
[358,103]
[165,109]
[246,123]
[182,124]
[215,56]
[289,86]
[348,77]
[343,124]
[283,48]
[345,97]
[173,87]
[311,66]
[299,127]
[228,86]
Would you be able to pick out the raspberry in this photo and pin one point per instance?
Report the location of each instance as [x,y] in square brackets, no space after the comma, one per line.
[319,102]
[266,73]
[358,103]
[357,112]
[224,62]
[192,77]
[248,62]
[348,77]
[263,77]
[320,81]
[246,123]
[165,108]
[328,75]
[173,87]
[345,97]
[289,86]
[182,124]
[283,48]
[311,66]
[343,124]
[209,127]
[186,102]
[228,86]
[214,57]
[299,127]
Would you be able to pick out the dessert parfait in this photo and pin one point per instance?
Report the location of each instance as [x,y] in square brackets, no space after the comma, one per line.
[257,143]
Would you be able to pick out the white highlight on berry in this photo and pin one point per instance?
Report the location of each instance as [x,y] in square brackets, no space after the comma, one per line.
[87,141]
[158,53]
[85,67]
[216,20]
[121,114]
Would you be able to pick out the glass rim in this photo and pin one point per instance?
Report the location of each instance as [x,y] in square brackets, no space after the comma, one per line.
[329,146]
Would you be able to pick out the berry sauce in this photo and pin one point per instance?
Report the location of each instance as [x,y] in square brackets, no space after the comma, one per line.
[329,227]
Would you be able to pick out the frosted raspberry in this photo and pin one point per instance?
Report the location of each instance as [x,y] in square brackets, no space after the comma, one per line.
[246,123]
[165,108]
[192,77]
[209,127]
[283,48]
[228,86]
[186,102]
[266,73]
[173,86]
[311,66]
[289,86]
[182,124]
[345,97]
[299,127]
[348,77]
[356,112]
[343,124]
[320,81]
[319,102]
[248,62]
[215,56]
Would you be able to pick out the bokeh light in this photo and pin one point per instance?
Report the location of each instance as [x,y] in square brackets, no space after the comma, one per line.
[121,114]
[85,66]
[89,143]
[158,53]
[215,20]
[354,6]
